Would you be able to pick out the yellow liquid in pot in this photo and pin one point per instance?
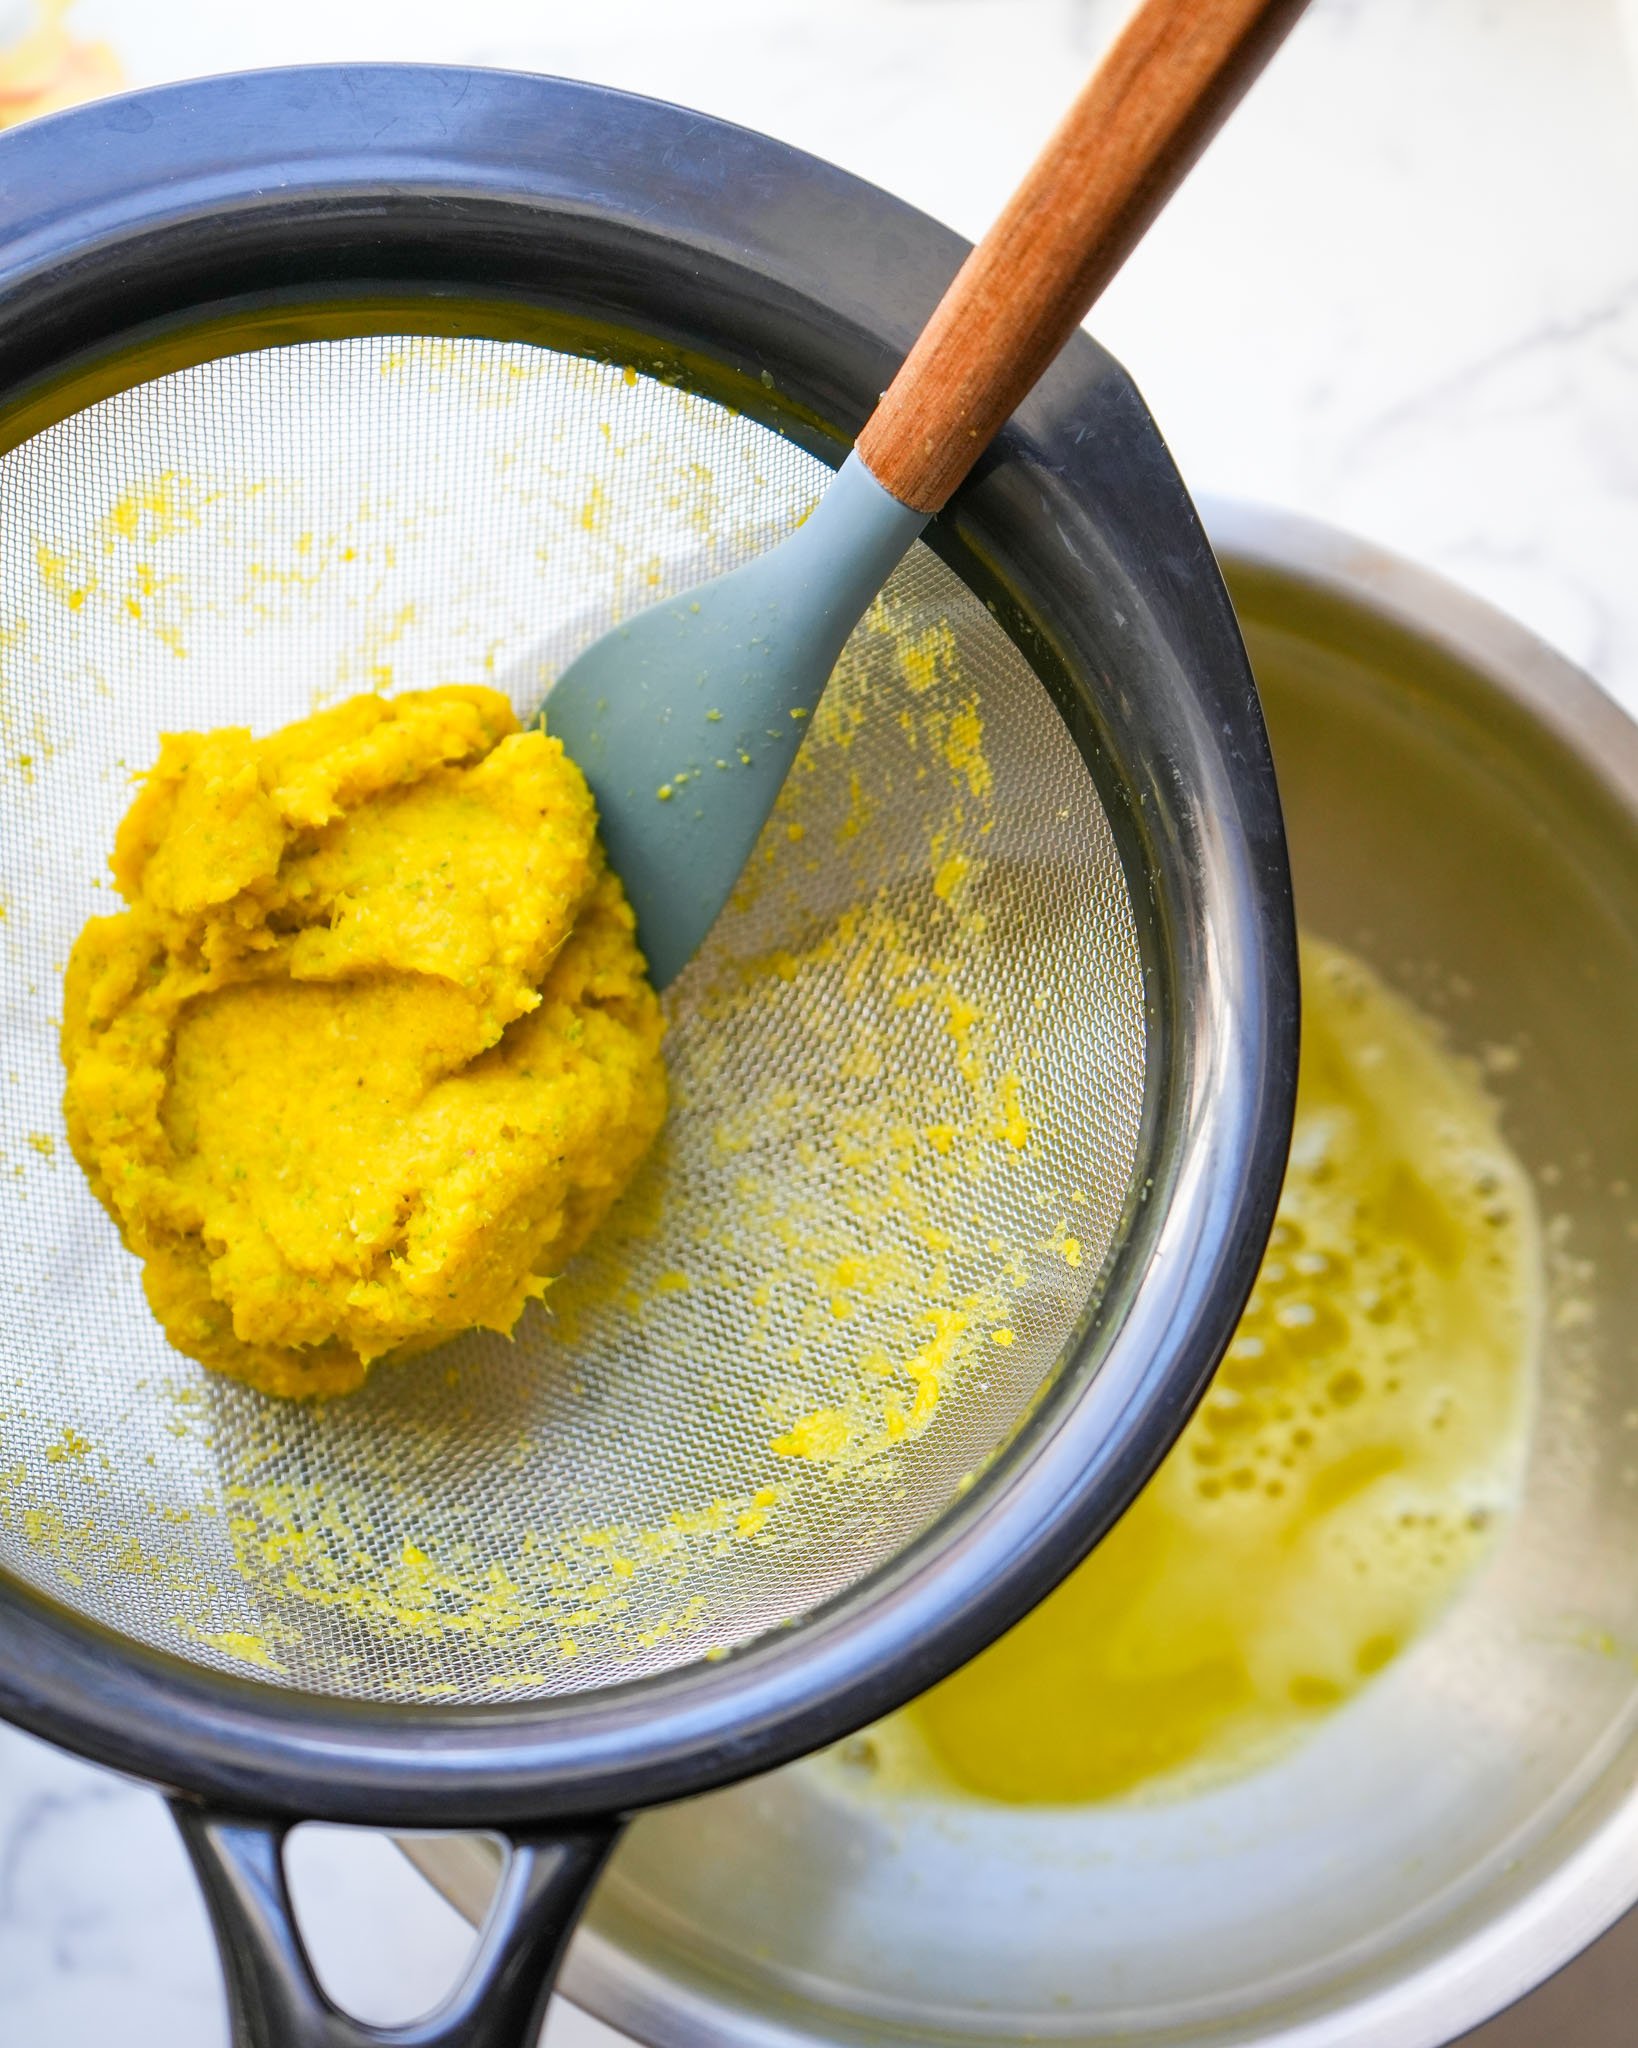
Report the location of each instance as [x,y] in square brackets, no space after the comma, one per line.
[1350,1464]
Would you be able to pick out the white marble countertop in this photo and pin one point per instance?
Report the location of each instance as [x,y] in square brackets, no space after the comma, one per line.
[1401,294]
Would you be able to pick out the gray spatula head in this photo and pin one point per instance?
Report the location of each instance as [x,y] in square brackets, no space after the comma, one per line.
[685,719]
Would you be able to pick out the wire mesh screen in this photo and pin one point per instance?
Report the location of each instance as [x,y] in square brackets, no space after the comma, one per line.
[906,1073]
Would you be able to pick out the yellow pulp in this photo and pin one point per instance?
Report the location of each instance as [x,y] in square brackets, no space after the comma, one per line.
[1363,1436]
[372,1050]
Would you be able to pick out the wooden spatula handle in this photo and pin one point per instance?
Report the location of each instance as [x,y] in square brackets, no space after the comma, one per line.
[1151,107]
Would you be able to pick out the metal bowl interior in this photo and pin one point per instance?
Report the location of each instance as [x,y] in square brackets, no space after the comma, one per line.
[1463,811]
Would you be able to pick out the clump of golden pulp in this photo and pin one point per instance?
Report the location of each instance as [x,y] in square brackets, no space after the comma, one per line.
[372,1051]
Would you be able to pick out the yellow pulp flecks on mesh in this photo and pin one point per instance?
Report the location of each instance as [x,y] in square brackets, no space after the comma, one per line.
[800,1266]
[894,1265]
[118,568]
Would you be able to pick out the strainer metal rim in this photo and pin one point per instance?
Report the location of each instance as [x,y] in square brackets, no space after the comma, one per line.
[266,196]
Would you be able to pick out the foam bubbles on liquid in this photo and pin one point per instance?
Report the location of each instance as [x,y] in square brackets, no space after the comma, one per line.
[1360,1445]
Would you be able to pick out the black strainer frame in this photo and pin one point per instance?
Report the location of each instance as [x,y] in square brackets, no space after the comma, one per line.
[191,221]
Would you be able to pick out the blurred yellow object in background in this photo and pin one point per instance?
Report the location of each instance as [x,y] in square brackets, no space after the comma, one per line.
[49,68]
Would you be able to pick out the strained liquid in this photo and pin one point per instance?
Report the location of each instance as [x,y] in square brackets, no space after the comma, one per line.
[1363,1439]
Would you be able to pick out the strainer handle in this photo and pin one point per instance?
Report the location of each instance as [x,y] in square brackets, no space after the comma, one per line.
[274,1997]
[1172,77]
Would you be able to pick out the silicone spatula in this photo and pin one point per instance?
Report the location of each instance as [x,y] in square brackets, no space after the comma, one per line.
[730,672]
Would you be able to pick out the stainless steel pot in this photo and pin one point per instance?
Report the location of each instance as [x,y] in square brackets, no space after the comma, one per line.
[1463,811]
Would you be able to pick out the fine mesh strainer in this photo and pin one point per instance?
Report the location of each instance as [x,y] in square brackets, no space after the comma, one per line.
[320,382]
